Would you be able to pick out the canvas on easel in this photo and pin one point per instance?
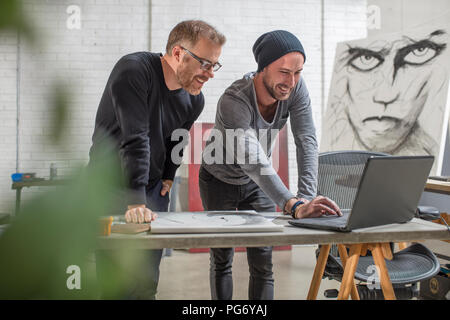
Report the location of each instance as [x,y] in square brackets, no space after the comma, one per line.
[389,94]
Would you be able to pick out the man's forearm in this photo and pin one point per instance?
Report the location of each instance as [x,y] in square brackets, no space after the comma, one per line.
[258,167]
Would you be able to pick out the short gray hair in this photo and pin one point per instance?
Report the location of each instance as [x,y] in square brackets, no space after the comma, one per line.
[190,31]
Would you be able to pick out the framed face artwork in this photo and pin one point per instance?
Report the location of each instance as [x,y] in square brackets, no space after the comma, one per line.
[389,94]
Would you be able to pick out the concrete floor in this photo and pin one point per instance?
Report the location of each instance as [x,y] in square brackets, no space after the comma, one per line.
[185,275]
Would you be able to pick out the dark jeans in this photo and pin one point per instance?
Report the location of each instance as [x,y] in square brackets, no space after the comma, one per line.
[218,195]
[119,280]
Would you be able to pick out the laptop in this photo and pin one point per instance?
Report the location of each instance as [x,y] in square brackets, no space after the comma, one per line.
[388,192]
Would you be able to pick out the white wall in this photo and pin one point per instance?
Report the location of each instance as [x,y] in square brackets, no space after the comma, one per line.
[111,28]
[8,93]
[244,21]
[81,58]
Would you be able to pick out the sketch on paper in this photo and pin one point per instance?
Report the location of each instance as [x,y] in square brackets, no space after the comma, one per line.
[212,222]
[389,94]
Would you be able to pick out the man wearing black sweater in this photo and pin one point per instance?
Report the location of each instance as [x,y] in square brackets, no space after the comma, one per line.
[147,97]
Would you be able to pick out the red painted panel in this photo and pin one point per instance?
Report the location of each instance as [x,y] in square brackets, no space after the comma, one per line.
[199,133]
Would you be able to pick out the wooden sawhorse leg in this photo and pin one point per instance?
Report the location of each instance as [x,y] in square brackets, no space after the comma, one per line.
[380,251]
[348,287]
[344,258]
[319,269]
[348,283]
[378,258]
[318,272]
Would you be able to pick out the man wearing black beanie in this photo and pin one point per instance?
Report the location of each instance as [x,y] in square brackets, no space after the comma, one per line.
[259,105]
[273,45]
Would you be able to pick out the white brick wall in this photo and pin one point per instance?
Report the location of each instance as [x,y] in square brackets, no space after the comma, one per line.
[82,59]
[244,21]
[111,28]
[8,93]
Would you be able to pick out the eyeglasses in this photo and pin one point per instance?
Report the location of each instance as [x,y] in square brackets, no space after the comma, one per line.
[204,64]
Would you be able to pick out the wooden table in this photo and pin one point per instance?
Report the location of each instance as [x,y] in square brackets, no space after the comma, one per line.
[438,186]
[18,186]
[374,238]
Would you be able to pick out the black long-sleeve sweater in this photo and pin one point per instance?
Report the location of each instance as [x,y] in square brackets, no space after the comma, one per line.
[139,113]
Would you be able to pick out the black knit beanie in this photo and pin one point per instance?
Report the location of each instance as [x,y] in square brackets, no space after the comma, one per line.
[273,45]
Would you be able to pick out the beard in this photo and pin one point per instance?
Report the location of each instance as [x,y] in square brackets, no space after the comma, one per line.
[188,79]
[271,89]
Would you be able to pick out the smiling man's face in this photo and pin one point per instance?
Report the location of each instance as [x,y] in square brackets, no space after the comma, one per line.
[388,84]
[282,75]
[189,74]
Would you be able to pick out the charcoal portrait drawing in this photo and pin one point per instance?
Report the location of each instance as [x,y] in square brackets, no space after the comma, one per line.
[389,94]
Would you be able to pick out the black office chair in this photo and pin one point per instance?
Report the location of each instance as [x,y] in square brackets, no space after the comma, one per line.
[338,179]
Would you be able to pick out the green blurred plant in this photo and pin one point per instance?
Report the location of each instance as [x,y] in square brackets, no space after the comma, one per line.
[59,228]
[54,231]
[12,17]
[59,109]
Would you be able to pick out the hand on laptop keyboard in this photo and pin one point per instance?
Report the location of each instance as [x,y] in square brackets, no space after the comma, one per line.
[317,207]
